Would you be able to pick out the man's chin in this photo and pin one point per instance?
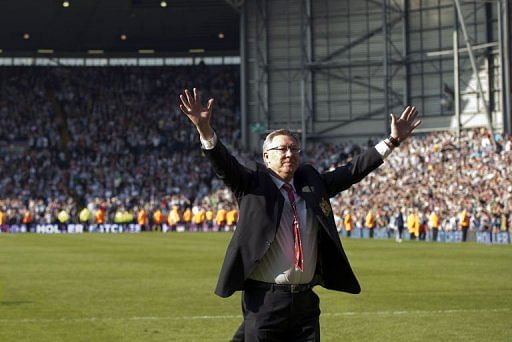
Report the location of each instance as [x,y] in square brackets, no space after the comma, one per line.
[289,171]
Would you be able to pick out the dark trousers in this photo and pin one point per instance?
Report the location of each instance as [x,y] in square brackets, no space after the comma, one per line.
[276,314]
[400,231]
[464,234]
[239,334]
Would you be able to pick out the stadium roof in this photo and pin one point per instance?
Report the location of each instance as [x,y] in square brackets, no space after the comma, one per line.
[99,25]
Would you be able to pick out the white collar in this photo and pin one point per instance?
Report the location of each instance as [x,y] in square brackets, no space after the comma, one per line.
[279,183]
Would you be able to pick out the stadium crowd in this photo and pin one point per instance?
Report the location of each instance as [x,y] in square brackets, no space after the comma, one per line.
[453,184]
[105,139]
[105,145]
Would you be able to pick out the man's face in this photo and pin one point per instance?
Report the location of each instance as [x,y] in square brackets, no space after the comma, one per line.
[282,156]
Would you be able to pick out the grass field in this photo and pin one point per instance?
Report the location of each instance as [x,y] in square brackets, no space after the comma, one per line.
[159,287]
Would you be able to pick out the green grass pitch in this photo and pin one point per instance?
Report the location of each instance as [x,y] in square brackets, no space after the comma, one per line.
[159,287]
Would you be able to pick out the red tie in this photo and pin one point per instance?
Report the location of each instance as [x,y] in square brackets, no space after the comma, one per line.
[299,256]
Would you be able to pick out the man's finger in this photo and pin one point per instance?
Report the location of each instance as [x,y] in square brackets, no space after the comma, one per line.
[211,102]
[393,118]
[197,95]
[184,110]
[184,102]
[189,97]
[414,114]
[404,113]
[412,110]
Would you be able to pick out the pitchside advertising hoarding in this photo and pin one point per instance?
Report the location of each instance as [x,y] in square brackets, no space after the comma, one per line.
[82,228]
[452,236]
[381,233]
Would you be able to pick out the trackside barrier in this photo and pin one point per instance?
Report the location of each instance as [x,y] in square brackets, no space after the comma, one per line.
[501,238]
[442,236]
[71,228]
[357,233]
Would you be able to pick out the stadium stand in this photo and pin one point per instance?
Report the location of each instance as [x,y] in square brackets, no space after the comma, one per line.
[443,175]
[105,138]
[109,145]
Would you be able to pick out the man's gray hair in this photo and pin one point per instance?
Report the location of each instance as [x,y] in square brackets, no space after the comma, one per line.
[271,135]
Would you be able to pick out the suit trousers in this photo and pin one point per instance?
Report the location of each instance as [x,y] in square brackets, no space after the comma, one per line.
[278,314]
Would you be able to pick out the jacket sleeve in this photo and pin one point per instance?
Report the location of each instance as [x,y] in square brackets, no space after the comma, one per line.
[236,176]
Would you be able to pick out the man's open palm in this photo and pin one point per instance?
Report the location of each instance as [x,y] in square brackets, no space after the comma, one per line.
[191,106]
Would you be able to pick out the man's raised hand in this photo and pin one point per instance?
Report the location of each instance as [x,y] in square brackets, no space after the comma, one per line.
[200,116]
[402,128]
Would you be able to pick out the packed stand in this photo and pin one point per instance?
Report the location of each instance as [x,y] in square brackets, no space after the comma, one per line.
[109,145]
[109,139]
[433,182]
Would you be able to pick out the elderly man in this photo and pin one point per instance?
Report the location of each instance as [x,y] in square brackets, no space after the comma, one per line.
[286,240]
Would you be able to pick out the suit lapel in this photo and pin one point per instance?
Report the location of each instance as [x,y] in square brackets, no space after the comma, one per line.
[311,196]
[274,197]
[317,202]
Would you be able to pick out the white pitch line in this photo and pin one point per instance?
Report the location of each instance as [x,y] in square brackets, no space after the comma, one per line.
[206,317]
[413,312]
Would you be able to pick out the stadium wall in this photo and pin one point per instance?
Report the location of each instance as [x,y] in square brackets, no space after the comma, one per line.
[335,69]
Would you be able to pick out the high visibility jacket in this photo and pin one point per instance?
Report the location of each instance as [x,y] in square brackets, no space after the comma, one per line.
[232,217]
[174,217]
[100,216]
[199,217]
[123,216]
[221,216]
[347,222]
[434,220]
[464,219]
[27,217]
[118,216]
[3,218]
[187,215]
[370,220]
[158,217]
[413,224]
[209,215]
[63,216]
[142,217]
[84,215]
[504,223]
[128,217]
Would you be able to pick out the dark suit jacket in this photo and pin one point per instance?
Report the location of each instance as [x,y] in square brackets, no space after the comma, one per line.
[261,204]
